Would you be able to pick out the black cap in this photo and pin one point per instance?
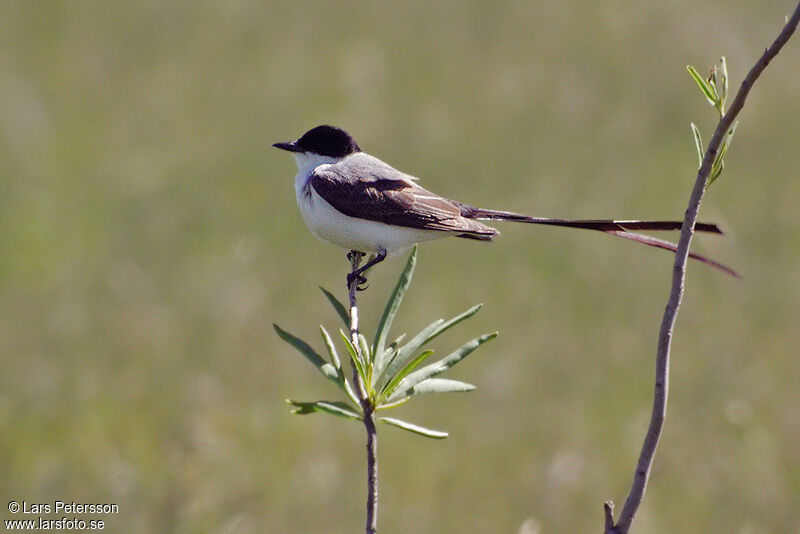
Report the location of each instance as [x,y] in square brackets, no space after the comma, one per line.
[323,140]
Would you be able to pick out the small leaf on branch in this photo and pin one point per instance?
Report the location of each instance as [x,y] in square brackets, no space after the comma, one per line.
[342,379]
[447,325]
[698,145]
[311,355]
[719,163]
[440,385]
[715,172]
[408,350]
[355,359]
[341,409]
[341,311]
[395,404]
[326,338]
[705,87]
[728,138]
[393,345]
[439,367]
[428,333]
[392,306]
[724,75]
[395,380]
[416,429]
[366,354]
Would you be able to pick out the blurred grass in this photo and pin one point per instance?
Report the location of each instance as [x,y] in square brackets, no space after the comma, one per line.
[150,237]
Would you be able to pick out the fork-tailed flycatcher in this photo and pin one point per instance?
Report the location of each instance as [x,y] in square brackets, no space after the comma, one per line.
[358,202]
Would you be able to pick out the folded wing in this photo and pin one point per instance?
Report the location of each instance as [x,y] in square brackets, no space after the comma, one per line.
[395,201]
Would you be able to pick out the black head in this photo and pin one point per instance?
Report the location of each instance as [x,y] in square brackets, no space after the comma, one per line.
[323,140]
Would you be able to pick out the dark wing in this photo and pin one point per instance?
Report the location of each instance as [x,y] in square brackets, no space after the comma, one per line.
[359,191]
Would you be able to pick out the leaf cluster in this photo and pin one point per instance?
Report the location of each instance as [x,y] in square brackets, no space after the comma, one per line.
[391,373]
[715,89]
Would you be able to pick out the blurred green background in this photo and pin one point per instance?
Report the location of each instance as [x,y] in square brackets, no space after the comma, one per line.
[149,238]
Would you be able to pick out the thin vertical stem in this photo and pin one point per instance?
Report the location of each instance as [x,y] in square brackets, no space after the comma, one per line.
[366,403]
[645,462]
[372,470]
[355,260]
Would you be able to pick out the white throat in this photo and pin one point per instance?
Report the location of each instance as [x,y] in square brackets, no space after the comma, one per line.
[306,163]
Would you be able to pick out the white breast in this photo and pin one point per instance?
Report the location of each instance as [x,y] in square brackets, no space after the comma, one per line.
[352,233]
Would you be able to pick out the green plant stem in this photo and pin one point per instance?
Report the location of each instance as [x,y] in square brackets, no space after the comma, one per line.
[366,404]
[372,468]
[647,454]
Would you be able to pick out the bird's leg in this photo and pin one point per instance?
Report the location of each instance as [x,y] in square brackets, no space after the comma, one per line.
[355,275]
[354,257]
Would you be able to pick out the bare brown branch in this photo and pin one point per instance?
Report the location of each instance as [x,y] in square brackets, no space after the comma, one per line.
[650,444]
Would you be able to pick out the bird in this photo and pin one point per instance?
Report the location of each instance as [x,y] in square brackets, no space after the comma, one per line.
[358,202]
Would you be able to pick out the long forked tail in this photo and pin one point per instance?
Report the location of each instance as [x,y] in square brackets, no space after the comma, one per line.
[618,228]
[603,225]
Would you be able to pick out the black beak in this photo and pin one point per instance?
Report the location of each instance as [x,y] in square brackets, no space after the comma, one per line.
[290,146]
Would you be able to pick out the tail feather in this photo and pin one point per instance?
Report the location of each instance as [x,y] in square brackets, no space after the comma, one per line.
[618,228]
[666,245]
[603,225]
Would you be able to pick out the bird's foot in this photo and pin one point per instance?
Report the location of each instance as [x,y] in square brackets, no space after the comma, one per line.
[359,281]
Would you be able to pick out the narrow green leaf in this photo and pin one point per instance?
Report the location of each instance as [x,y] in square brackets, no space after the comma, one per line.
[342,409]
[729,136]
[428,333]
[395,380]
[698,145]
[724,74]
[330,372]
[726,143]
[720,156]
[715,172]
[392,306]
[342,379]
[389,357]
[393,345]
[719,163]
[351,393]
[394,404]
[399,358]
[366,354]
[447,325]
[705,87]
[439,367]
[390,354]
[349,345]
[311,355]
[712,80]
[416,429]
[355,359]
[341,311]
[440,385]
[366,357]
[326,338]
